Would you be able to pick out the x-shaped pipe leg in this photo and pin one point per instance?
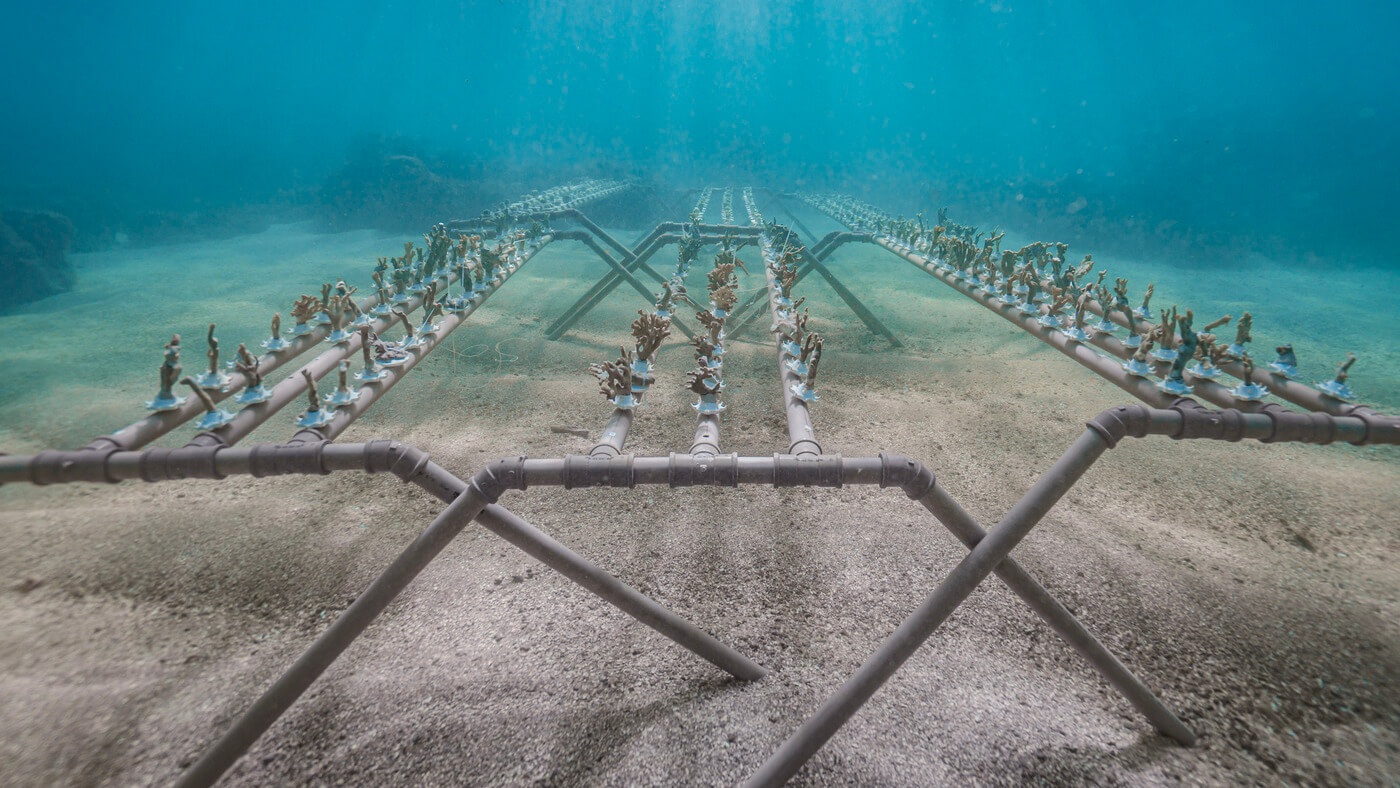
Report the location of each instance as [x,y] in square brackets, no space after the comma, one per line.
[467,505]
[988,554]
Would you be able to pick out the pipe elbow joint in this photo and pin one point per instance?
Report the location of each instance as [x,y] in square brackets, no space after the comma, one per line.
[403,460]
[906,473]
[504,474]
[1122,421]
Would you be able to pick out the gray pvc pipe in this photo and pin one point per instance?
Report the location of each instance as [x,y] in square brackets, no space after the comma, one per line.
[294,386]
[961,524]
[801,438]
[934,610]
[1290,390]
[706,441]
[310,665]
[1206,389]
[866,316]
[581,571]
[1106,368]
[1184,419]
[577,215]
[614,434]
[629,262]
[371,393]
[610,281]
[821,252]
[1300,394]
[601,288]
[142,432]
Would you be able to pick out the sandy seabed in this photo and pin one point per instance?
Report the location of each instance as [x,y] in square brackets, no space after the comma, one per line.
[1253,586]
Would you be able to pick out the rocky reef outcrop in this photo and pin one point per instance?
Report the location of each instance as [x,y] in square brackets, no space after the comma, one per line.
[390,184]
[33,256]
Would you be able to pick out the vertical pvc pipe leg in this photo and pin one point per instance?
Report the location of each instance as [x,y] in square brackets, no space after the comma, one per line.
[935,609]
[961,524]
[578,569]
[285,691]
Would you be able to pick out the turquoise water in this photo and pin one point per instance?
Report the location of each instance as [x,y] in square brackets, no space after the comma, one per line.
[218,160]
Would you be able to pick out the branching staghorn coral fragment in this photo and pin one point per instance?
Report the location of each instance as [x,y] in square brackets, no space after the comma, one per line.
[700,382]
[614,377]
[649,330]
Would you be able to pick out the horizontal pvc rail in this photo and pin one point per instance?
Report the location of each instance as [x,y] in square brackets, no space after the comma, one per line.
[1105,367]
[1273,423]
[1299,394]
[294,386]
[558,209]
[802,440]
[153,426]
[371,393]
[142,432]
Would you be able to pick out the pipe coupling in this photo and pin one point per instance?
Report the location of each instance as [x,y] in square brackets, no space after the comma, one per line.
[598,470]
[824,470]
[691,470]
[1320,428]
[85,465]
[280,459]
[198,462]
[1380,428]
[1198,421]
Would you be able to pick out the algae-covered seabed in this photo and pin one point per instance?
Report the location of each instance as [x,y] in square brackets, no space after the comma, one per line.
[1254,586]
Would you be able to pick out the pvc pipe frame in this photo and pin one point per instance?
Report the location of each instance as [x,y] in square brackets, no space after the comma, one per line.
[1185,419]
[253,416]
[140,433]
[662,234]
[821,250]
[1292,391]
[1106,368]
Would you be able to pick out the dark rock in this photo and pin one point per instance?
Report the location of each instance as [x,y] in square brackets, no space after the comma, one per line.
[33,256]
[395,185]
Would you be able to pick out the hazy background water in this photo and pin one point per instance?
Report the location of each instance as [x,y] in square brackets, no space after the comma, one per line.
[1198,126]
